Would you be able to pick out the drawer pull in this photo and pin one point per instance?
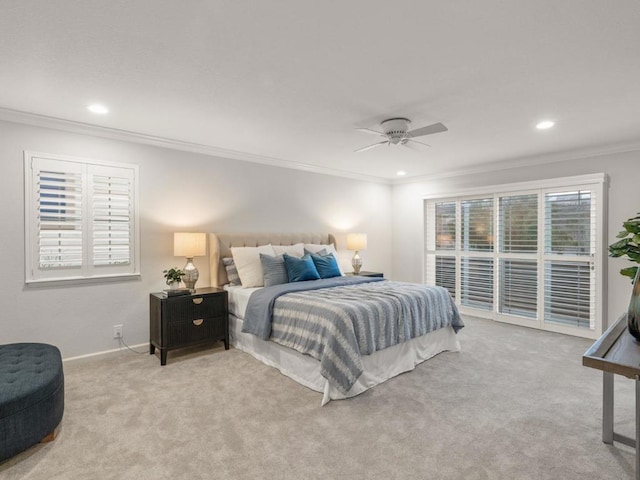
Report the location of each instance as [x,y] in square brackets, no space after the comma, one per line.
[199,321]
[197,301]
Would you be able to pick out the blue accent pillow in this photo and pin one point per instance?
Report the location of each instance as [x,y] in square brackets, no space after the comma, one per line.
[273,269]
[300,269]
[327,265]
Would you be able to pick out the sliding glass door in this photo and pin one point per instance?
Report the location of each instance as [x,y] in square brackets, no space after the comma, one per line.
[526,256]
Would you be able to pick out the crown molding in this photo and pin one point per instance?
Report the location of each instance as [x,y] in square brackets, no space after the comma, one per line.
[528,161]
[33,119]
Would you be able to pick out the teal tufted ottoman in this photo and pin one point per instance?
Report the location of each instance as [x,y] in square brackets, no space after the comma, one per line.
[31,395]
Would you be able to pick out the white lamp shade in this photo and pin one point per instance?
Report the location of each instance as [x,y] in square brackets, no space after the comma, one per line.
[189,245]
[356,241]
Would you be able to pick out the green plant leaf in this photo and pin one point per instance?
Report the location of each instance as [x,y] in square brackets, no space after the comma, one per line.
[628,245]
[632,227]
[629,272]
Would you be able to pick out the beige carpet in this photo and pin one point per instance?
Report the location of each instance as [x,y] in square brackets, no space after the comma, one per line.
[514,404]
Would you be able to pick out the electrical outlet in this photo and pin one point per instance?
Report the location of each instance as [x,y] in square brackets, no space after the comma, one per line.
[117,331]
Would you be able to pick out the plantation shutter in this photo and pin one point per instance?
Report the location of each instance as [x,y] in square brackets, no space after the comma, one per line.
[476,271]
[569,278]
[81,218]
[518,244]
[476,283]
[59,190]
[440,265]
[446,273]
[542,270]
[111,216]
[518,223]
[518,287]
[445,225]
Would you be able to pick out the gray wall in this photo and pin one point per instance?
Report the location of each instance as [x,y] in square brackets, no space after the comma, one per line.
[178,192]
[623,170]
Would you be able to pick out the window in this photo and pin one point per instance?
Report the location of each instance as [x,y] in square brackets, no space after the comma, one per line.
[542,266]
[80,218]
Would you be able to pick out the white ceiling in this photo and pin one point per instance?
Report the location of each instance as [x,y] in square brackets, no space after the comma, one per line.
[289,80]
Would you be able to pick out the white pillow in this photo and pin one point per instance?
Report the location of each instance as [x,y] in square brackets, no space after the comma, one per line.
[247,260]
[296,250]
[315,248]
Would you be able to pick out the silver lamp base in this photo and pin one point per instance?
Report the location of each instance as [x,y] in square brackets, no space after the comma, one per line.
[356,262]
[191,275]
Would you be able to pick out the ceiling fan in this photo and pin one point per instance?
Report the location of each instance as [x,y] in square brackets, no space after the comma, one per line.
[396,132]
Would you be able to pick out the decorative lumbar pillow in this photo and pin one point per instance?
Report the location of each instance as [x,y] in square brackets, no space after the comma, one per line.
[296,250]
[247,260]
[232,272]
[323,250]
[275,273]
[300,269]
[327,265]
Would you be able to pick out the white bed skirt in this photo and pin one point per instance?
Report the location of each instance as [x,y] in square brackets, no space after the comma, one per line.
[379,367]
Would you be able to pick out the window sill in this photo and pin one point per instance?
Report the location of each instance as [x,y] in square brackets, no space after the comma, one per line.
[54,282]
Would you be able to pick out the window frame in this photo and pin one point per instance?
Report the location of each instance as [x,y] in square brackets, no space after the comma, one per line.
[87,272]
[594,182]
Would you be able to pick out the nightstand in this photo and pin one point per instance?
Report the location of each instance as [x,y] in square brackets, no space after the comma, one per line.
[186,320]
[365,274]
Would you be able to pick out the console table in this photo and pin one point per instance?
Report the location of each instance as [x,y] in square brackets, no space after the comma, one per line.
[616,352]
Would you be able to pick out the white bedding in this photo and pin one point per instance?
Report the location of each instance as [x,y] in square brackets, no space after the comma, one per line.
[239,299]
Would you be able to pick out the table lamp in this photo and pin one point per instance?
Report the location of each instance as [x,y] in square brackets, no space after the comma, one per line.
[357,242]
[190,245]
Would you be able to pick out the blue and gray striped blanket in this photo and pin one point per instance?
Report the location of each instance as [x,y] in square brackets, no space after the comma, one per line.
[338,320]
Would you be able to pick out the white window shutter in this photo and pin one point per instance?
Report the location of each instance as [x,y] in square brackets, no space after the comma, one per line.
[112,227]
[81,218]
[518,216]
[477,225]
[544,268]
[518,287]
[569,278]
[56,219]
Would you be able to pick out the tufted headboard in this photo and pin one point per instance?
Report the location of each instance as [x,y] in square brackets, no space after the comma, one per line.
[220,247]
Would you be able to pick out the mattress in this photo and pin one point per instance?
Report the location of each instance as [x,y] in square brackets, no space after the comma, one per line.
[239,299]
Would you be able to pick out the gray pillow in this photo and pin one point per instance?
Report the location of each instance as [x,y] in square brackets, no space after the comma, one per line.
[232,272]
[322,253]
[275,272]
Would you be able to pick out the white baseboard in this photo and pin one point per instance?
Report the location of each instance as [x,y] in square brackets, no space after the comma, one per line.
[107,352]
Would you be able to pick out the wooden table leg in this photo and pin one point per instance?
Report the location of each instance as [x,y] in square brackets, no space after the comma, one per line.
[607,407]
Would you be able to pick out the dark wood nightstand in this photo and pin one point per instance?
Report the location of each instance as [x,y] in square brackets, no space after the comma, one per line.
[186,320]
[365,274]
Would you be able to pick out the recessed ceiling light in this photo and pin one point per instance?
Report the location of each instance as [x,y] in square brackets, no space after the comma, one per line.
[98,108]
[401,173]
[545,124]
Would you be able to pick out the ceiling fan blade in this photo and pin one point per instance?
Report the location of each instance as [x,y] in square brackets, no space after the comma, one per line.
[428,130]
[368,130]
[410,141]
[412,147]
[371,146]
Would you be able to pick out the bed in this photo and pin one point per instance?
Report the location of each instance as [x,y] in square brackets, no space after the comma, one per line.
[374,365]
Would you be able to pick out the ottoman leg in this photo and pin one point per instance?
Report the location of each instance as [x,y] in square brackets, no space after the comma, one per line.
[49,438]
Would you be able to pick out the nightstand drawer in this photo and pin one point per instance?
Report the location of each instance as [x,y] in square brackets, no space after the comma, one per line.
[192,307]
[193,331]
